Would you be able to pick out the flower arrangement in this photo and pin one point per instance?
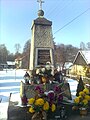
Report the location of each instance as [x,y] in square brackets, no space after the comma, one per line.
[41,102]
[45,102]
[45,72]
[82,100]
[37,105]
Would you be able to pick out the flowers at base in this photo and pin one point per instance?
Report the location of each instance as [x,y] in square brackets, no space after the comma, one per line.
[55,97]
[39,91]
[83,99]
[45,72]
[58,94]
[46,106]
[51,96]
[51,100]
[39,102]
[31,110]
[86,91]
[53,107]
[31,101]
[76,100]
[43,101]
[38,105]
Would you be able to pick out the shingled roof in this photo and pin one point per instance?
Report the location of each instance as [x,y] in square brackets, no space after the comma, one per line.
[82,55]
[42,21]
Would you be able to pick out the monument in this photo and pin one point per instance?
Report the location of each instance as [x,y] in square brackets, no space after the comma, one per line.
[42,46]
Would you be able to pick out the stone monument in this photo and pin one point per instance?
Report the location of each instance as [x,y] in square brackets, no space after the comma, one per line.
[42,47]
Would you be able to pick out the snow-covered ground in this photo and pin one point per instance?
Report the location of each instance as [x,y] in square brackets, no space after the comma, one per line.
[73,87]
[10,83]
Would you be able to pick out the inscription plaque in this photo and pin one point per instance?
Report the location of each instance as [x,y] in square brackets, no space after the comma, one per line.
[43,57]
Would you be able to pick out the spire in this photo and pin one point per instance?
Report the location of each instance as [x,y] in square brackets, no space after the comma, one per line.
[40,4]
[40,11]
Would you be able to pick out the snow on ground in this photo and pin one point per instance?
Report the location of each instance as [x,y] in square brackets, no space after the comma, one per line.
[3,111]
[10,83]
[73,86]
[12,72]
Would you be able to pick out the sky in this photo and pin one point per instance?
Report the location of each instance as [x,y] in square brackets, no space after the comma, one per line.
[70,21]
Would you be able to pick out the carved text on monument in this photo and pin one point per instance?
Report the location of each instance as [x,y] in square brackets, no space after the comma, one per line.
[43,57]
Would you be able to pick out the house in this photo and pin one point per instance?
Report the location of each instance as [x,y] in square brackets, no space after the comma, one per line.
[7,65]
[67,67]
[10,64]
[82,58]
[18,62]
[81,63]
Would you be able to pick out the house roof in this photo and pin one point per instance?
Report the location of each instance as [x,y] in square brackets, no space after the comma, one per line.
[67,65]
[85,54]
[10,63]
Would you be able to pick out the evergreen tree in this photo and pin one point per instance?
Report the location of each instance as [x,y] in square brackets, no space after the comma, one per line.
[80,86]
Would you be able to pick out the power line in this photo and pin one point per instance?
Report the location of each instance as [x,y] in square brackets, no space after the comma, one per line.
[60,10]
[65,24]
[52,10]
[72,20]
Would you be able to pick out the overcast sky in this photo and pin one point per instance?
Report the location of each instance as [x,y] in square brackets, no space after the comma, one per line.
[70,21]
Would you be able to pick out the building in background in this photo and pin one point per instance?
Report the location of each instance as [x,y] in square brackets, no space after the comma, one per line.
[81,63]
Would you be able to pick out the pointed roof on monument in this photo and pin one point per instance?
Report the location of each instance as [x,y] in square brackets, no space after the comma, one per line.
[42,21]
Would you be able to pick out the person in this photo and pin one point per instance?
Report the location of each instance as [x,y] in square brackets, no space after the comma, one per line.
[27,77]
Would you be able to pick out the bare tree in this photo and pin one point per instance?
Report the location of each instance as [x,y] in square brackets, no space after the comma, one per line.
[26,55]
[3,53]
[65,53]
[82,46]
[17,48]
[88,45]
